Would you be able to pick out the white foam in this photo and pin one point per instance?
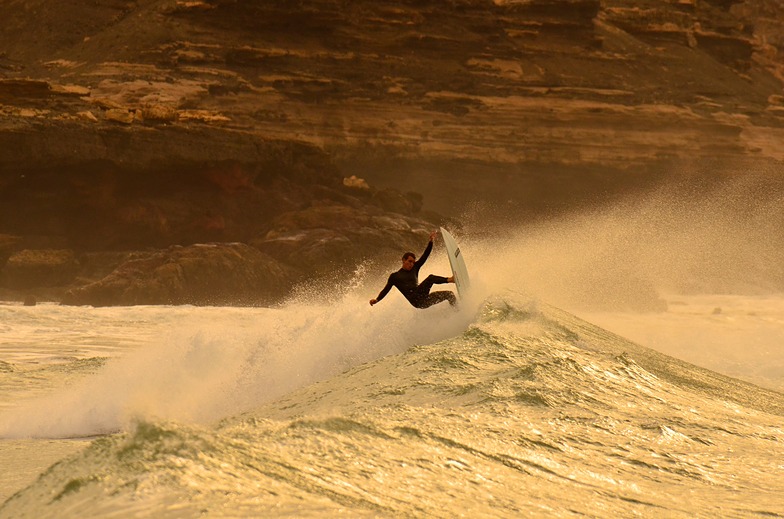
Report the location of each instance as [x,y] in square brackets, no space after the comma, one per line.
[215,362]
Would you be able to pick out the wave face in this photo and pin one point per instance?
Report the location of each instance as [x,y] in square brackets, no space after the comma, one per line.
[529,411]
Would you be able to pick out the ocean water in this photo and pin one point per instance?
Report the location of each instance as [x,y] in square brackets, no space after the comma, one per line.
[527,401]
[509,407]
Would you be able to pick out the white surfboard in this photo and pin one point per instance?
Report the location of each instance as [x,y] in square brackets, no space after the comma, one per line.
[457,263]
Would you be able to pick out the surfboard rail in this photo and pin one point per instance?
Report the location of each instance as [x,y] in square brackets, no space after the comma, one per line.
[457,262]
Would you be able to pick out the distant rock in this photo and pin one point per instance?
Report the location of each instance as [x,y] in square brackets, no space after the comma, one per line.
[120,115]
[39,268]
[312,249]
[203,274]
[8,244]
[353,182]
[156,114]
[13,89]
[88,116]
[211,121]
[328,237]
[393,201]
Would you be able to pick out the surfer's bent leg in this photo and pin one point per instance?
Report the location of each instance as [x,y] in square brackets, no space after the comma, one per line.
[427,284]
[423,298]
[437,297]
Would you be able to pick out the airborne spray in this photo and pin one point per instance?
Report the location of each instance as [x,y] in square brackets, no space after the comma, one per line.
[630,255]
[217,362]
[634,257]
[696,274]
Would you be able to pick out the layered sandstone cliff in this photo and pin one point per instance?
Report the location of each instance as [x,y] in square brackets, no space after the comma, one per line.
[129,125]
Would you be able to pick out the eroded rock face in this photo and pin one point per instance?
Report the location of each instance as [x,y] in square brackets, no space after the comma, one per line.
[316,225]
[551,85]
[211,274]
[329,237]
[39,268]
[307,129]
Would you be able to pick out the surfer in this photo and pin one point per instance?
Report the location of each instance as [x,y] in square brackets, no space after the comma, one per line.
[406,280]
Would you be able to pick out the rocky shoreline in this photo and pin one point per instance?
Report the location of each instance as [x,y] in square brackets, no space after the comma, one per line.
[149,147]
[236,236]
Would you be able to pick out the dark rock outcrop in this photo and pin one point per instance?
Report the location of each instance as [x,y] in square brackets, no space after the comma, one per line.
[212,274]
[136,126]
[39,268]
[331,237]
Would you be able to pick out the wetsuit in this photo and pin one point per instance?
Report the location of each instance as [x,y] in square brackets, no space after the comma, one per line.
[407,282]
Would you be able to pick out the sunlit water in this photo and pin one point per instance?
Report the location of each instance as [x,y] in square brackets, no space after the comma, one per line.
[741,336]
[507,407]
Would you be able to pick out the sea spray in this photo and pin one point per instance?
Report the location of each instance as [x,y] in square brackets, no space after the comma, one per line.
[622,257]
[203,370]
[528,411]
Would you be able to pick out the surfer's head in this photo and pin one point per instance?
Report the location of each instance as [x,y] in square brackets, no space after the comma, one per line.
[408,260]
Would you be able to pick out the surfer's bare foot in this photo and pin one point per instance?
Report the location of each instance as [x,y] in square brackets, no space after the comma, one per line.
[451,279]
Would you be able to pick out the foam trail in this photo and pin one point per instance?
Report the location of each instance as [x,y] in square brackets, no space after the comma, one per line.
[203,371]
[618,257]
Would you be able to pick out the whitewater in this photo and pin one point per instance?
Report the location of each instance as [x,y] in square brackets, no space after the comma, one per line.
[530,400]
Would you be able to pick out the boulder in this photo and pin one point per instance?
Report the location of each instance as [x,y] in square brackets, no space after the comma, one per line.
[120,115]
[157,113]
[99,264]
[87,115]
[39,268]
[202,274]
[353,182]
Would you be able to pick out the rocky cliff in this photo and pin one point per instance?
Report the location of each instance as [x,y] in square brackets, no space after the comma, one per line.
[141,125]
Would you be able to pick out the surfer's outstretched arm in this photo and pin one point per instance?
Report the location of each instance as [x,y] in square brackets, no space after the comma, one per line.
[383,293]
[421,261]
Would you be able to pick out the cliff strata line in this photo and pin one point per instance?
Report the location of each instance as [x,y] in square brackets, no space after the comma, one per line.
[127,125]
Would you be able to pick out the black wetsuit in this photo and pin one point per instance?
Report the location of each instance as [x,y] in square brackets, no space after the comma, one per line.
[407,281]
